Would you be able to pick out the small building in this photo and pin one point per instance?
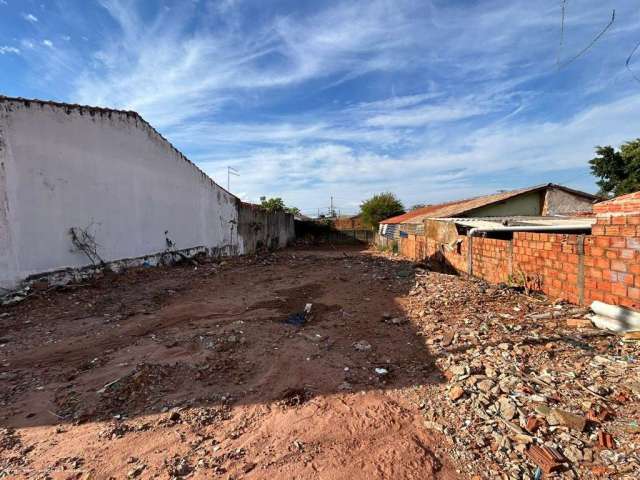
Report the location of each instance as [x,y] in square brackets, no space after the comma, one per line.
[350,222]
[548,200]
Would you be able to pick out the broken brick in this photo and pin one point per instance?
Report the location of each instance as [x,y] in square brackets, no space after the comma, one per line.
[456,393]
[579,323]
[598,415]
[599,470]
[548,459]
[605,440]
[533,424]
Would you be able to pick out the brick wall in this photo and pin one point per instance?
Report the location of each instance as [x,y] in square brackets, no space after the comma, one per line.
[551,263]
[613,259]
[492,259]
[579,268]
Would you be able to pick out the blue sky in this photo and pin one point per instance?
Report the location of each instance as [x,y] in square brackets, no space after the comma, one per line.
[433,100]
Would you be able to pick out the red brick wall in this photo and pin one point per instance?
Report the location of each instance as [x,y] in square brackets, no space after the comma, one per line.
[492,259]
[613,261]
[579,268]
[549,262]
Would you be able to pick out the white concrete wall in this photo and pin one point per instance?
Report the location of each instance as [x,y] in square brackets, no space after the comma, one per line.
[64,166]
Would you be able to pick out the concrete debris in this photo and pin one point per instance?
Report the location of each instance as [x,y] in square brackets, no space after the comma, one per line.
[615,318]
[362,346]
[560,417]
[532,389]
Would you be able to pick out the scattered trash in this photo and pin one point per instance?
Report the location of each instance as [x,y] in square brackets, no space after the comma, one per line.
[381,371]
[300,318]
[362,346]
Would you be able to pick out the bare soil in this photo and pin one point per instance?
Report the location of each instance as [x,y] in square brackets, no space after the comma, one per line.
[193,372]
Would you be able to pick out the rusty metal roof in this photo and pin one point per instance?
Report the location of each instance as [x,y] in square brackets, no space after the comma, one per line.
[461,207]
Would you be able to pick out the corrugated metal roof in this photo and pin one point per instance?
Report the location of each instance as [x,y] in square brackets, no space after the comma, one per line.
[486,222]
[461,207]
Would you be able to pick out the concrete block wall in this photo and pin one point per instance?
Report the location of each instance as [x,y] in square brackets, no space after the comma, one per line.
[260,229]
[602,266]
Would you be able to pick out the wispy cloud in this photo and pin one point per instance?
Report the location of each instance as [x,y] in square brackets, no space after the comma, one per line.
[30,17]
[7,49]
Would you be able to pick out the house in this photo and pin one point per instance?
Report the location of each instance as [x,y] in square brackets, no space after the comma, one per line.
[548,200]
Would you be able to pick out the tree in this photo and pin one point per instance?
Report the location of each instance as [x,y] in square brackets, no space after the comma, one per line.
[273,205]
[277,205]
[618,172]
[417,206]
[380,207]
[293,210]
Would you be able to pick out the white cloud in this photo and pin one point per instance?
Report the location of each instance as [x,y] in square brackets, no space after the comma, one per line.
[47,43]
[428,114]
[7,49]
[29,17]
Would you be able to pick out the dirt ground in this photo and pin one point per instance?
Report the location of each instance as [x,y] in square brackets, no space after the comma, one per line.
[193,372]
[400,372]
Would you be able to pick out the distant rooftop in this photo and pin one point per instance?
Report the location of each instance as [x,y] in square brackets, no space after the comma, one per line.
[461,207]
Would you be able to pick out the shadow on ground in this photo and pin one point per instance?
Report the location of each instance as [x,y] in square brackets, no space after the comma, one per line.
[153,339]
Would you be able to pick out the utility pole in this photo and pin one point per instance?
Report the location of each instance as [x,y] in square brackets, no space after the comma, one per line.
[331,214]
[231,171]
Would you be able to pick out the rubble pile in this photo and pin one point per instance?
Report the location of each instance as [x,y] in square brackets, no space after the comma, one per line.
[531,389]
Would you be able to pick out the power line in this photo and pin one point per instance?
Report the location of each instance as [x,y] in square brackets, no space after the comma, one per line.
[591,44]
[564,6]
[231,171]
[633,74]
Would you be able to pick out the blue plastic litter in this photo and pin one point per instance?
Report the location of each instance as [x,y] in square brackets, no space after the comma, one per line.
[296,319]
[538,474]
[299,318]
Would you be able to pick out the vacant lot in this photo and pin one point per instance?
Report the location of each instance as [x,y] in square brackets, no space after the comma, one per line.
[398,373]
[169,372]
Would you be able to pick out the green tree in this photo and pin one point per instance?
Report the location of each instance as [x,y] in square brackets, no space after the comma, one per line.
[293,210]
[276,204]
[273,204]
[380,207]
[618,171]
[417,206]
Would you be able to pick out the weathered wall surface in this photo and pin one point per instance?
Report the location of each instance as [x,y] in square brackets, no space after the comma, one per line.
[561,202]
[109,172]
[259,229]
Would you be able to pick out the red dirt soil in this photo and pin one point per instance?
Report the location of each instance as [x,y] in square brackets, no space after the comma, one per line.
[187,372]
